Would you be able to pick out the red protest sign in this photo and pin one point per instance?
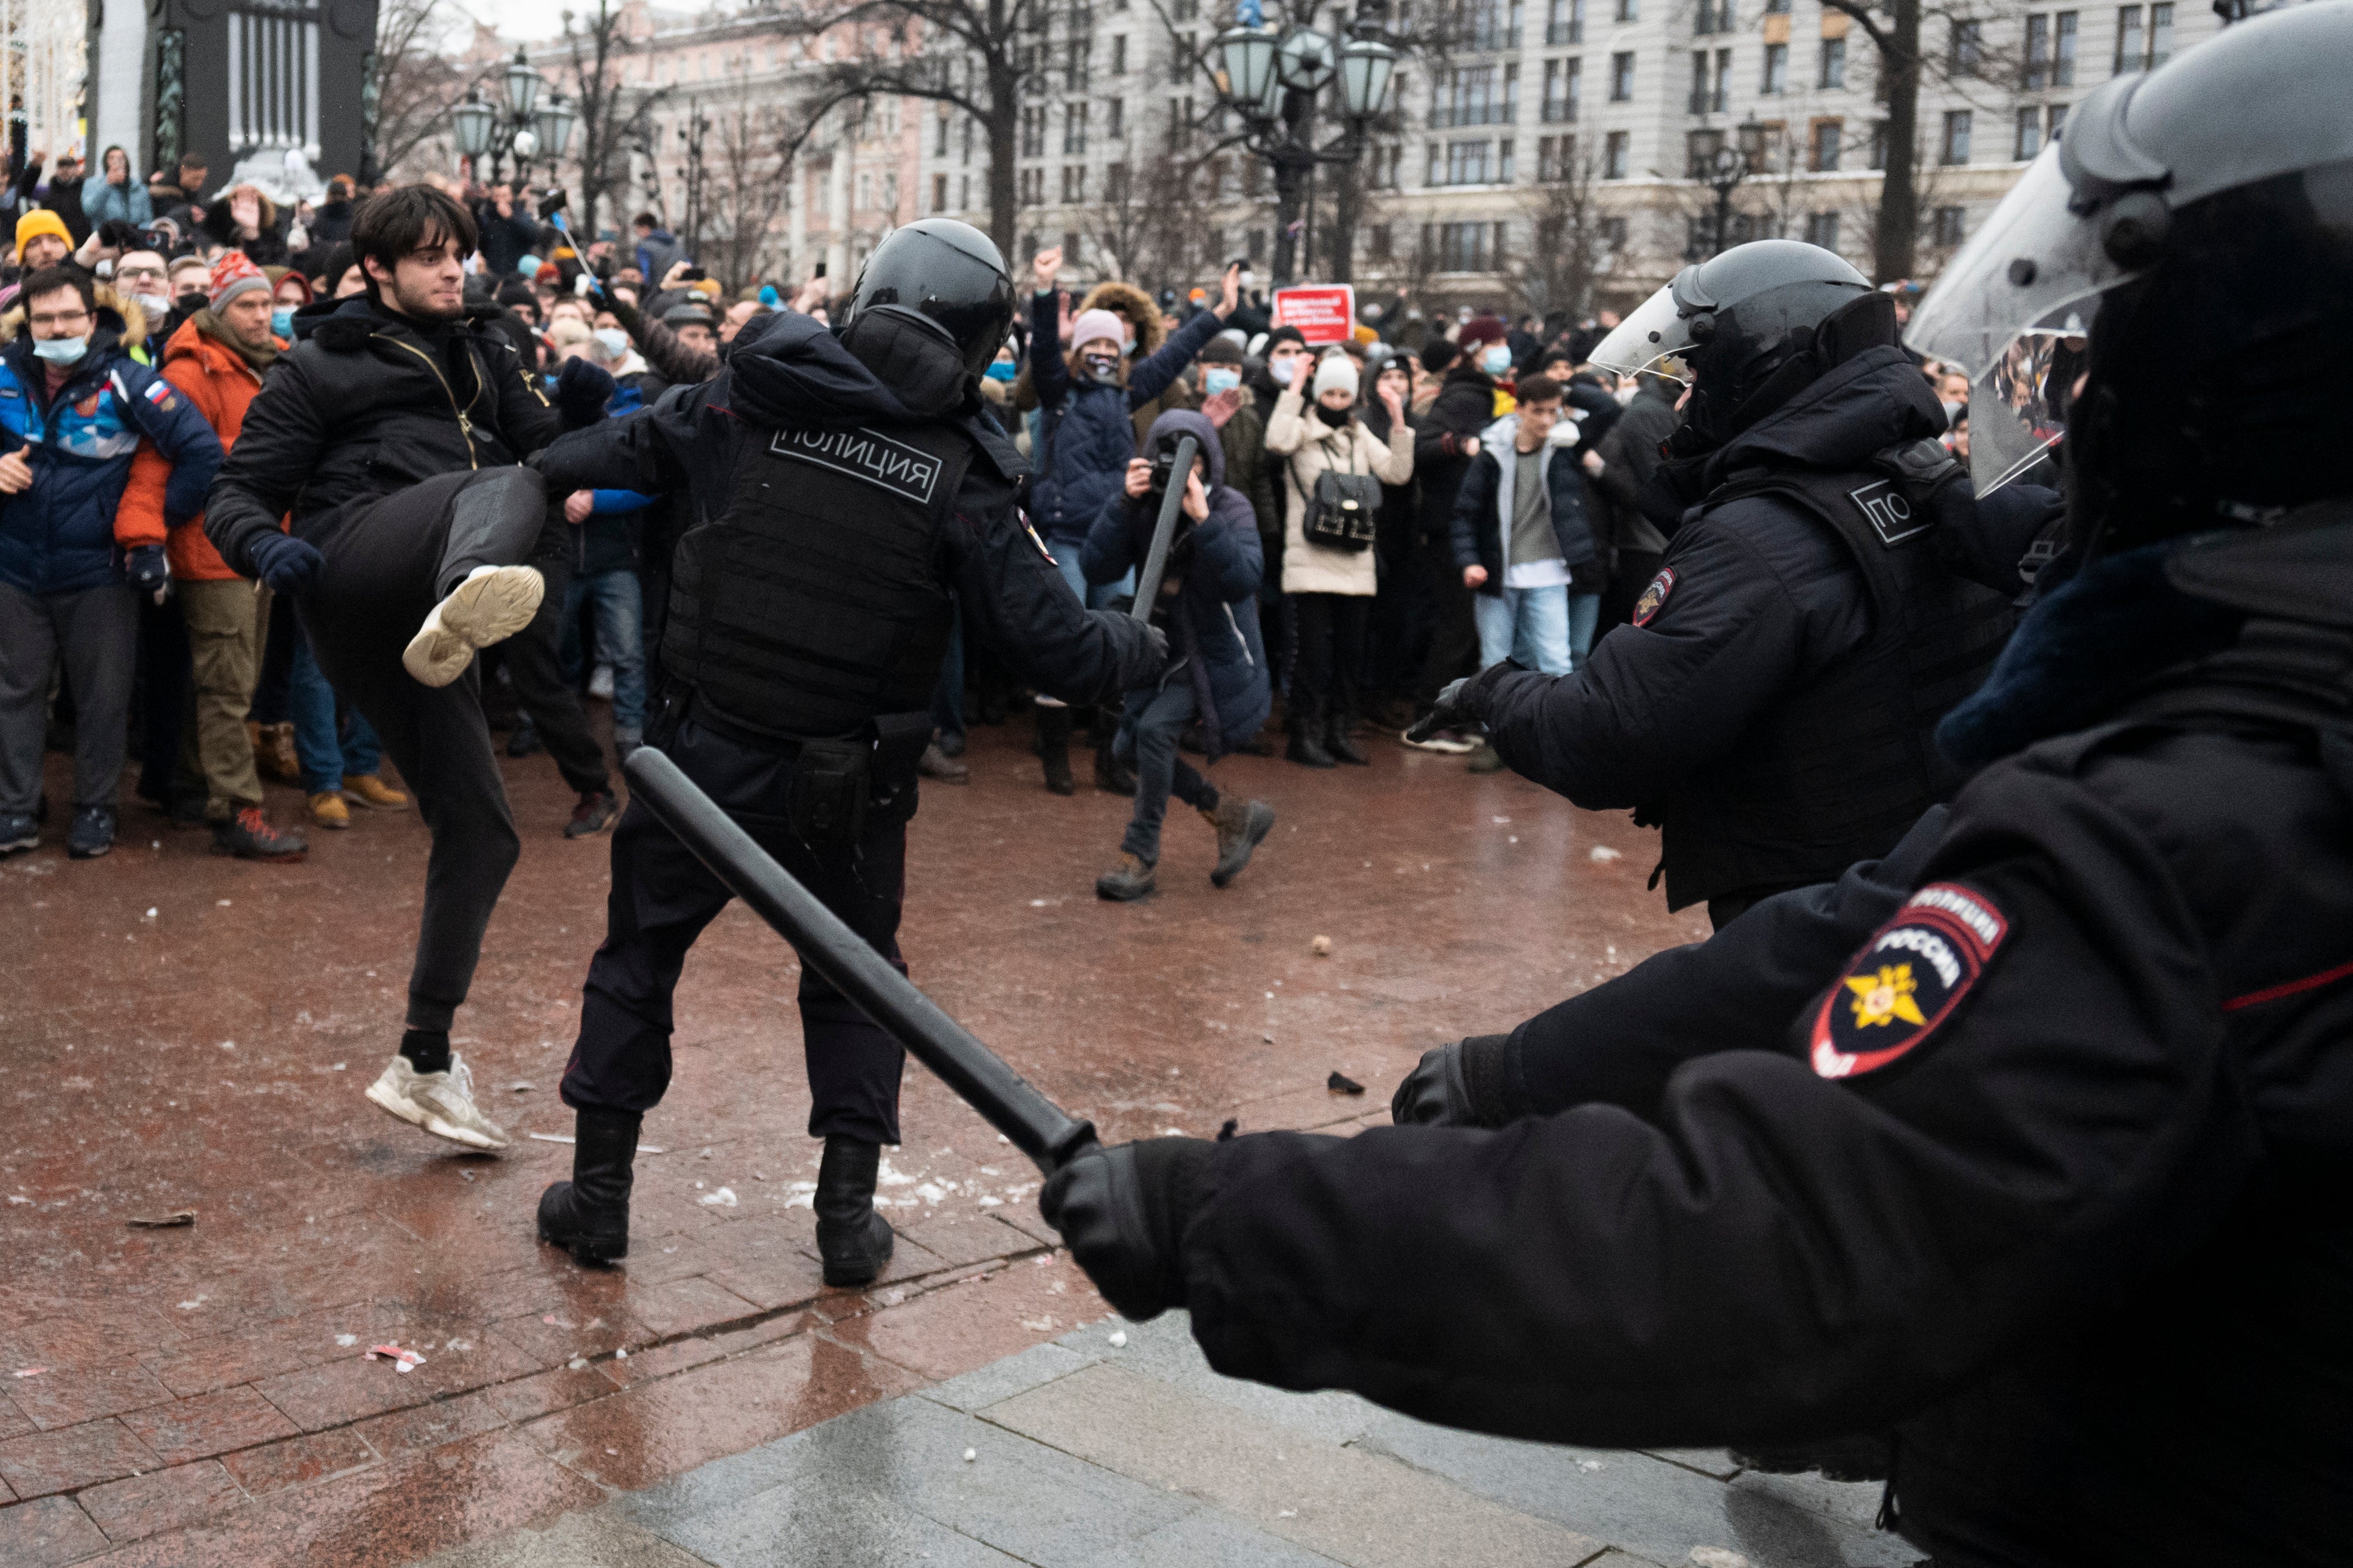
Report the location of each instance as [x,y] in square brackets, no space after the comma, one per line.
[1324,312]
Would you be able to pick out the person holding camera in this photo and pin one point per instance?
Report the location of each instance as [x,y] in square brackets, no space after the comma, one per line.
[1333,474]
[1207,604]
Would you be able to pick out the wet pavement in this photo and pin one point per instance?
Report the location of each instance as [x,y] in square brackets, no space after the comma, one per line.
[185,1032]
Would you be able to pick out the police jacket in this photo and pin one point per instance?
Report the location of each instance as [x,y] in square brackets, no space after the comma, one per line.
[842,495]
[1772,703]
[2045,1170]
[59,535]
[366,403]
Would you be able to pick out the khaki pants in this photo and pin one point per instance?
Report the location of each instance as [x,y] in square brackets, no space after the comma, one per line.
[227,622]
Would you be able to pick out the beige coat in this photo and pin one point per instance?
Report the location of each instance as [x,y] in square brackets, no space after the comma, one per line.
[1310,568]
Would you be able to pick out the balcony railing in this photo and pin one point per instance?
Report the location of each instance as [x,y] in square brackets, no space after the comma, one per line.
[1446,116]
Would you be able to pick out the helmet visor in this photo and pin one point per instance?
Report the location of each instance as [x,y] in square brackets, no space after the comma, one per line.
[2018,408]
[1655,337]
[2031,261]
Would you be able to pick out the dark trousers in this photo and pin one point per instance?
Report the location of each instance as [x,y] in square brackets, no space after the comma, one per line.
[1454,628]
[93,634]
[1331,650]
[535,667]
[661,899]
[1148,740]
[387,563]
[163,684]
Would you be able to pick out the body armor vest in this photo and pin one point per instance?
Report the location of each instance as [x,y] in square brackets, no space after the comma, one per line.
[812,604]
[1843,764]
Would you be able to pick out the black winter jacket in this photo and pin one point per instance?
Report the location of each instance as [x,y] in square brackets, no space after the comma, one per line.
[362,406]
[1465,405]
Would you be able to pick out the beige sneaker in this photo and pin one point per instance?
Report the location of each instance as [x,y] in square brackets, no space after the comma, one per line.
[440,1102]
[490,605]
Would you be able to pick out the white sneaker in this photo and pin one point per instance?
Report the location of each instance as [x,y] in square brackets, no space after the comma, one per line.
[490,605]
[600,683]
[440,1102]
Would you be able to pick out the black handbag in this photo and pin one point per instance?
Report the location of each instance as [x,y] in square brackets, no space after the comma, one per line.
[1340,514]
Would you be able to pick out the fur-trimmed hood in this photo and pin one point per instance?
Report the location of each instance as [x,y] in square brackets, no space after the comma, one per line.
[1127,300]
[118,312]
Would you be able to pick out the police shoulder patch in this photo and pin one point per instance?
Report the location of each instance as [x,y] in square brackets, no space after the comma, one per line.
[1907,981]
[1654,597]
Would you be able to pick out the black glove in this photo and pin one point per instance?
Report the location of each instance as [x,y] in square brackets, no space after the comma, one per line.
[1439,1091]
[284,562]
[582,390]
[1461,703]
[117,233]
[1123,1212]
[145,564]
[1159,640]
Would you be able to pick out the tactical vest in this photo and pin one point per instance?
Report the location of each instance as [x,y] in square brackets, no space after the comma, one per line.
[812,604]
[1837,770]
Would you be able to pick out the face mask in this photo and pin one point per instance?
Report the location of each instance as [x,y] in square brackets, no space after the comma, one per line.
[1218,379]
[156,306]
[281,322]
[1282,370]
[1132,349]
[1952,408]
[1625,393]
[60,350]
[1496,359]
[1104,366]
[1248,280]
[1003,370]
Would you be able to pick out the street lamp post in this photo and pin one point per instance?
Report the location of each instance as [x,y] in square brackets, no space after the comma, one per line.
[1725,170]
[1271,78]
[521,125]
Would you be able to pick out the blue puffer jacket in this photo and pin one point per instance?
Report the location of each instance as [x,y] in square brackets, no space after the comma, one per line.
[1215,630]
[58,536]
[1086,433]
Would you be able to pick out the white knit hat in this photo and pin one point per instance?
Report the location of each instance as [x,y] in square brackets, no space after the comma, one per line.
[1337,371]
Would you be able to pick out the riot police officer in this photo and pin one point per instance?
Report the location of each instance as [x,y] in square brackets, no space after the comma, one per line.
[852,496]
[1771,704]
[2048,1172]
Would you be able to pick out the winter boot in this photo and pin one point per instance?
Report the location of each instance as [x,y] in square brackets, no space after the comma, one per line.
[275,759]
[1054,748]
[1131,880]
[853,1242]
[1342,745]
[1307,746]
[588,1216]
[1240,824]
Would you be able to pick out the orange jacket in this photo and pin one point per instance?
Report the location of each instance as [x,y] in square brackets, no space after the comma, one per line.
[220,384]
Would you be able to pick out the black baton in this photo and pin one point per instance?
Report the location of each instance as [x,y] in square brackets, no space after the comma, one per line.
[1006,1100]
[1155,560]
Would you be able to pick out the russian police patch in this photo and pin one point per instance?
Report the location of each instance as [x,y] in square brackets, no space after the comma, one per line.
[1654,597]
[1906,980]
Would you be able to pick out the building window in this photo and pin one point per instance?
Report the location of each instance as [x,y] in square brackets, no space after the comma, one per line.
[1824,153]
[2036,74]
[1506,157]
[865,192]
[1119,55]
[1721,102]
[2029,141]
[940,139]
[1556,156]
[1466,247]
[1489,24]
[1629,10]
[1955,145]
[2063,48]
[1776,7]
[1033,131]
[1715,17]
[1949,227]
[2058,118]
[1612,233]
[1565,23]
[2160,35]
[2132,43]
[939,192]
[1832,73]
[1967,51]
[1621,76]
[1617,151]
[1777,69]
[1074,130]
[1821,228]
[1378,242]
[1560,90]
[1467,163]
[1074,184]
[1115,183]
[1032,192]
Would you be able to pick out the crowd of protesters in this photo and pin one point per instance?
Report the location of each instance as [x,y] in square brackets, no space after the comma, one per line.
[1379,516]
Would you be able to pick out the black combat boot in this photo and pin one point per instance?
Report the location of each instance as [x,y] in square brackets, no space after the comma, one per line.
[588,1216]
[1307,746]
[852,1241]
[1342,744]
[1054,748]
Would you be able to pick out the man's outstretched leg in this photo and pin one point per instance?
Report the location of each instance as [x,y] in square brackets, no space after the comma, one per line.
[487,593]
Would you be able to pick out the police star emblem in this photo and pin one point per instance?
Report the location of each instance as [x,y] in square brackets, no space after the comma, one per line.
[1907,981]
[1654,597]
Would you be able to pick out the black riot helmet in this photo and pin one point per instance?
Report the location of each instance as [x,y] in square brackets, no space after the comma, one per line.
[1732,321]
[943,273]
[2192,234]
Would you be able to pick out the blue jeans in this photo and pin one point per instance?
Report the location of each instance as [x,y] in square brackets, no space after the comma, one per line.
[620,608]
[1584,620]
[1148,739]
[1530,624]
[1094,596]
[327,757]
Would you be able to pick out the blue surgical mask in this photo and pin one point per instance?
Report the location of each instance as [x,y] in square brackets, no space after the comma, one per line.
[61,351]
[1002,370]
[1216,379]
[1496,359]
[281,322]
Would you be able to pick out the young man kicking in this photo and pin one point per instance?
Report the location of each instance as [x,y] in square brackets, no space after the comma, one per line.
[392,434]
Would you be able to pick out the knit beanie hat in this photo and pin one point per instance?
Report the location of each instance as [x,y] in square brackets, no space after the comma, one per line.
[235,274]
[1093,324]
[1337,373]
[1482,330]
[40,221]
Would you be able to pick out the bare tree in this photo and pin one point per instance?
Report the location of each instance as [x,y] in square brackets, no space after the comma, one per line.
[413,84]
[1556,272]
[746,187]
[613,115]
